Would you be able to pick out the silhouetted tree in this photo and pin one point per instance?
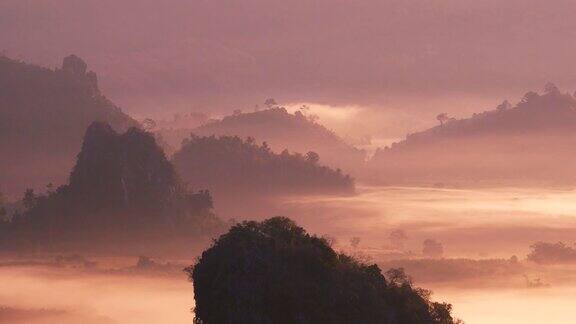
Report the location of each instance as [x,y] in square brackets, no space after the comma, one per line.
[29,200]
[442,118]
[145,262]
[397,238]
[456,269]
[299,115]
[3,212]
[551,253]
[148,124]
[312,157]
[354,242]
[313,118]
[74,64]
[50,188]
[330,240]
[432,248]
[505,105]
[270,103]
[551,88]
[275,272]
[529,97]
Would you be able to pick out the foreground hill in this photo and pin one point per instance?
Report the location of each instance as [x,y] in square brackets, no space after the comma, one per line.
[282,130]
[229,166]
[275,272]
[43,116]
[531,143]
[122,189]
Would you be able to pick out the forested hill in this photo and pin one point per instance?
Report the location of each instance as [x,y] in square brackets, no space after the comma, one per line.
[283,130]
[43,116]
[122,188]
[232,166]
[530,143]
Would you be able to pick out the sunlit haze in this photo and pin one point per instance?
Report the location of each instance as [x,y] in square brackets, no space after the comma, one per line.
[268,161]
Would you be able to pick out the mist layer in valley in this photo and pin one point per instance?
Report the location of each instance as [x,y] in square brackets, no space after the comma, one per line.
[389,226]
[528,144]
[101,212]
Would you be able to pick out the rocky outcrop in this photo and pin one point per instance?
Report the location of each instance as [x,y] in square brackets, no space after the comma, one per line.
[124,170]
[43,116]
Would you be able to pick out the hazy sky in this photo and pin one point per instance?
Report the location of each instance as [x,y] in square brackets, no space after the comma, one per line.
[416,57]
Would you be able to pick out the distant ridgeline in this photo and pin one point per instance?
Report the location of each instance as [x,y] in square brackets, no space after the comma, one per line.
[43,116]
[122,187]
[531,143]
[231,165]
[282,130]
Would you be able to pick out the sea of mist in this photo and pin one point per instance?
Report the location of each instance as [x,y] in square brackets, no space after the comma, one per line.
[474,225]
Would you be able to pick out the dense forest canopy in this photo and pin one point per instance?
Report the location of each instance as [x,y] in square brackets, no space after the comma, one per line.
[275,272]
[511,144]
[43,116]
[121,188]
[230,165]
[282,130]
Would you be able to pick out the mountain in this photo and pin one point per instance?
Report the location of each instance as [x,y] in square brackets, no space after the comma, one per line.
[232,166]
[43,116]
[531,143]
[122,170]
[282,130]
[121,188]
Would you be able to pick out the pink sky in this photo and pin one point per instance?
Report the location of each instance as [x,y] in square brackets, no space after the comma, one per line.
[417,56]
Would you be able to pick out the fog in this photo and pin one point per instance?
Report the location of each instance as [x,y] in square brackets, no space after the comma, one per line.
[78,296]
[106,299]
[513,306]
[480,224]
[419,57]
[502,221]
[432,136]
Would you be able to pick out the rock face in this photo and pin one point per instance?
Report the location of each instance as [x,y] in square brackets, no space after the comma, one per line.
[123,170]
[531,143]
[43,116]
[74,64]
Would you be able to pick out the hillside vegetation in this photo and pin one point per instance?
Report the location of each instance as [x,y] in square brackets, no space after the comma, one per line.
[229,165]
[275,272]
[283,130]
[43,116]
[530,143]
[122,189]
